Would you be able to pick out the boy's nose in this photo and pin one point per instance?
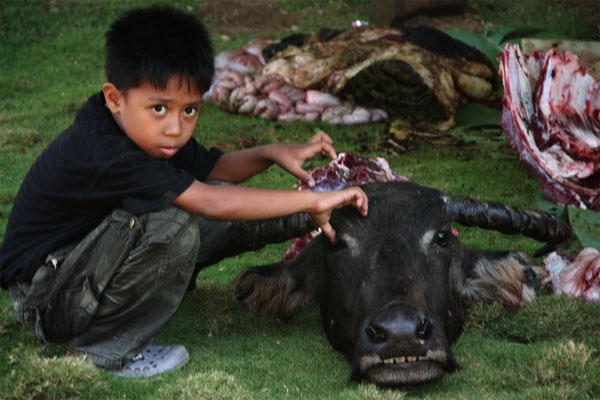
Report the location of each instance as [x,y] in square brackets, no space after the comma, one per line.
[173,127]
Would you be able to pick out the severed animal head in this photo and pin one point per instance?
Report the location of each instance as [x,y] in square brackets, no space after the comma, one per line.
[394,288]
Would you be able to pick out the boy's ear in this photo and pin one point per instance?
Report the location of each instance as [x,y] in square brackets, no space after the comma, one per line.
[113,97]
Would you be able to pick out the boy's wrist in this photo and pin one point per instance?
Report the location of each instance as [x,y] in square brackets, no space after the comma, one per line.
[269,151]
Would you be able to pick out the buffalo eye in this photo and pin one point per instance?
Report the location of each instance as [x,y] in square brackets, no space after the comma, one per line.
[441,238]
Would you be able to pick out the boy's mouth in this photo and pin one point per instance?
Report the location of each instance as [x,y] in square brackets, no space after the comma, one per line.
[168,151]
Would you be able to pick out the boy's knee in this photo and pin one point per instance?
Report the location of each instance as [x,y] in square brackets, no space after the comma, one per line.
[171,235]
[171,224]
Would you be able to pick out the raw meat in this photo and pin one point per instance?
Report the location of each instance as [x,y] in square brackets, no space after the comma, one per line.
[551,115]
[356,76]
[346,170]
[575,275]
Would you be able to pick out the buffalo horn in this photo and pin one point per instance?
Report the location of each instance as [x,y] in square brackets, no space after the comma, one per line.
[539,225]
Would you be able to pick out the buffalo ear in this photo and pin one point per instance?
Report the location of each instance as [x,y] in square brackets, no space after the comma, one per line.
[279,289]
[503,277]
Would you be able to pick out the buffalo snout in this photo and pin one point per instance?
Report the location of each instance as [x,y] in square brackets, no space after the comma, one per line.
[400,343]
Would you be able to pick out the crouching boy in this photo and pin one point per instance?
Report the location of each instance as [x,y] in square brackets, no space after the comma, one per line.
[115,216]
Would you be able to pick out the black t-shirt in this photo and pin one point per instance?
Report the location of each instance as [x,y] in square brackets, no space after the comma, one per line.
[88,171]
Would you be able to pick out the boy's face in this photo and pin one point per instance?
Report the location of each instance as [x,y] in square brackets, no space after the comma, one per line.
[160,122]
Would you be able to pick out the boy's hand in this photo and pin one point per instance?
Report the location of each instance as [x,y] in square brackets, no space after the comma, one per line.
[336,199]
[291,157]
[320,136]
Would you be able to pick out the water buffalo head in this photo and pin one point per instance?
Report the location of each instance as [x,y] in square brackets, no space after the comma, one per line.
[394,288]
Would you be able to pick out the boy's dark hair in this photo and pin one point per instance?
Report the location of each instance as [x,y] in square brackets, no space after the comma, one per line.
[157,43]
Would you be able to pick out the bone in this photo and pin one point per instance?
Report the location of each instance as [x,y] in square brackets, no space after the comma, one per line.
[292,92]
[256,47]
[220,96]
[241,84]
[334,114]
[244,63]
[302,107]
[290,116]
[312,116]
[262,80]
[321,98]
[231,79]
[378,115]
[359,115]
[234,102]
[222,60]
[267,109]
[284,102]
[248,104]
[274,84]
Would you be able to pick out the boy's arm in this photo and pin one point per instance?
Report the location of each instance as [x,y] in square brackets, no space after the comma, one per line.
[241,165]
[224,202]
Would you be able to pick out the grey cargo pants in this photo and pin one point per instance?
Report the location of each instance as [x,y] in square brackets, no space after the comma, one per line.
[110,294]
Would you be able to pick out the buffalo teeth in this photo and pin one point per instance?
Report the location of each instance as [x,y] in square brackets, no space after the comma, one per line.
[400,360]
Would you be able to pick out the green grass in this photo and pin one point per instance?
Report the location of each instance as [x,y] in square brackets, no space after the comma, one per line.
[51,60]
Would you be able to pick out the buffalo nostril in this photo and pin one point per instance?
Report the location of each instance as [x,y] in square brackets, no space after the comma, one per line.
[376,334]
[423,328]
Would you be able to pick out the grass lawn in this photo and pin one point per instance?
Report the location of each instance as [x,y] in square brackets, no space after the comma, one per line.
[51,60]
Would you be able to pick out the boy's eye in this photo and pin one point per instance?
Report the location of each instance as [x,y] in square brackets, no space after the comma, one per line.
[190,111]
[159,109]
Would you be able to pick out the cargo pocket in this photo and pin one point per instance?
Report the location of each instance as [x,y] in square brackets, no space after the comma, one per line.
[69,312]
[170,242]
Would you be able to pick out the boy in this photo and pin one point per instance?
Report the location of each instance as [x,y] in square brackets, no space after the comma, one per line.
[114,216]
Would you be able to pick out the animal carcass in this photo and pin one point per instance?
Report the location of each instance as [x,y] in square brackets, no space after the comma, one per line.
[394,288]
[355,76]
[551,115]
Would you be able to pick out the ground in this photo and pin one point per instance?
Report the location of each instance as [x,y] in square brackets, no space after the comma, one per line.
[241,17]
[231,18]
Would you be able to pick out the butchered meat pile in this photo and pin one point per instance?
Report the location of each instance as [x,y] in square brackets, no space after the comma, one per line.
[356,76]
[551,115]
